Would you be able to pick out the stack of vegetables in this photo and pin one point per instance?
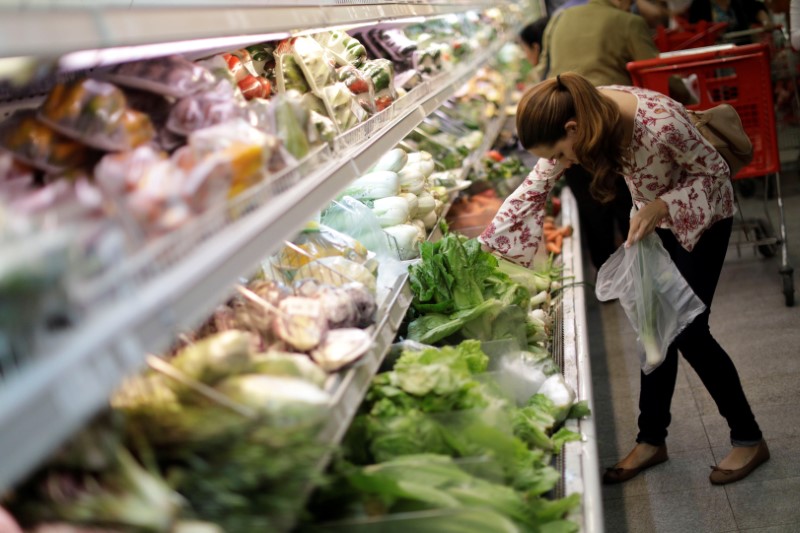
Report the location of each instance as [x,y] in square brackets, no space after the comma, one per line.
[400,199]
[231,417]
[436,432]
[462,292]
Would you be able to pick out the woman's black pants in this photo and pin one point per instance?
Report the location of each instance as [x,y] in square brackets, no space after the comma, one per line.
[701,267]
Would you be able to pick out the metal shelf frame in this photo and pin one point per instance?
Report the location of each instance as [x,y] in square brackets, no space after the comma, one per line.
[580,466]
[73,375]
[86,25]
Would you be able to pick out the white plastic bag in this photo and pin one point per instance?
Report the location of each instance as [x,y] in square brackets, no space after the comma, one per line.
[655,296]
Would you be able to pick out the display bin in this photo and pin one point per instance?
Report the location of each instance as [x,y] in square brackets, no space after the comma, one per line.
[739,76]
[578,461]
[688,35]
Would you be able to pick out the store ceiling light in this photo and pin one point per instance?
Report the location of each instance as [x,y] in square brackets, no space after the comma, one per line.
[85,59]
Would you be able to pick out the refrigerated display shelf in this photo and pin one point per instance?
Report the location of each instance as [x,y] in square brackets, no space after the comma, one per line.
[185,277]
[492,131]
[81,25]
[578,461]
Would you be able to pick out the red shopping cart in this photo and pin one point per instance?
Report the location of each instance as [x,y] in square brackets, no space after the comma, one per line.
[688,35]
[739,76]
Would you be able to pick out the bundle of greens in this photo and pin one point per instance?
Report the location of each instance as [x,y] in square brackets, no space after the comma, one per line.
[429,481]
[462,292]
[244,462]
[96,481]
[440,401]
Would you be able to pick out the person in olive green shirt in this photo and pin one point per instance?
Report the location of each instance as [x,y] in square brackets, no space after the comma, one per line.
[597,40]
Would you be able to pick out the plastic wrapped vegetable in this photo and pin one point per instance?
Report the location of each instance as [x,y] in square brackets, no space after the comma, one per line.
[96,113]
[215,357]
[281,399]
[407,238]
[344,45]
[288,73]
[344,107]
[352,217]
[337,271]
[125,496]
[372,186]
[205,109]
[317,64]
[171,76]
[290,119]
[381,71]
[318,241]
[287,364]
[40,146]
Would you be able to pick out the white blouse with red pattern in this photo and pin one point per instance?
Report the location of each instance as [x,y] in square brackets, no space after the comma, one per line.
[668,159]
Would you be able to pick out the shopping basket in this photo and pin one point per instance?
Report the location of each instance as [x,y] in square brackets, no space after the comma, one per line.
[739,76]
[688,35]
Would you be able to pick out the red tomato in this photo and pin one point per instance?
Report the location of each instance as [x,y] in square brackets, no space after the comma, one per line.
[556,205]
[495,155]
[236,67]
[358,86]
[382,102]
[266,87]
[251,87]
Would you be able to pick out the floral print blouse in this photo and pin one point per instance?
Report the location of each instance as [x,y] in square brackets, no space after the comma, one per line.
[668,159]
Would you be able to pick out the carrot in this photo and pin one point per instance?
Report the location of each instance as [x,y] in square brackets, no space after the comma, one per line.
[552,247]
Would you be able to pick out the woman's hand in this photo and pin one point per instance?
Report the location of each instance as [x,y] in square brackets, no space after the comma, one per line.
[645,220]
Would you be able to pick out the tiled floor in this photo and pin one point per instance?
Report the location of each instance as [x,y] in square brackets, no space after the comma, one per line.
[762,336]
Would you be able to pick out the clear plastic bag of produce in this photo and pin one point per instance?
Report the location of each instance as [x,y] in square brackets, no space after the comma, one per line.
[96,113]
[171,76]
[353,218]
[381,72]
[34,143]
[360,85]
[207,108]
[234,151]
[655,296]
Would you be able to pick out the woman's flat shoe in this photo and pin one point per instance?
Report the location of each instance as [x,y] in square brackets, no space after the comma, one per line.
[721,476]
[616,474]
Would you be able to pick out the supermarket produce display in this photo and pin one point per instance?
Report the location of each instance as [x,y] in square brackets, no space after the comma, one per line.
[231,297]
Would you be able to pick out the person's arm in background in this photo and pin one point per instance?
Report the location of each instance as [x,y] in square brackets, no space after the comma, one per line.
[756,13]
[654,12]
[642,46]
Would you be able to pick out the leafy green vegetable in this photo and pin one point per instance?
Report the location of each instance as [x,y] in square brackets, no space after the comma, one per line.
[125,495]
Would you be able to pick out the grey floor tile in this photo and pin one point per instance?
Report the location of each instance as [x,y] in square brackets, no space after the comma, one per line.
[784,528]
[705,511]
[764,503]
[686,470]
[776,421]
[780,388]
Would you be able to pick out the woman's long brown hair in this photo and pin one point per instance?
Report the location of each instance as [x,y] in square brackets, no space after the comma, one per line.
[547,106]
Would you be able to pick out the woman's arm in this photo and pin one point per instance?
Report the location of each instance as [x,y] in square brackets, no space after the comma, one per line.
[516,230]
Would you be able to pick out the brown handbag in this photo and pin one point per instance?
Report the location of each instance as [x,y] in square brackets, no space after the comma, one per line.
[722,127]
